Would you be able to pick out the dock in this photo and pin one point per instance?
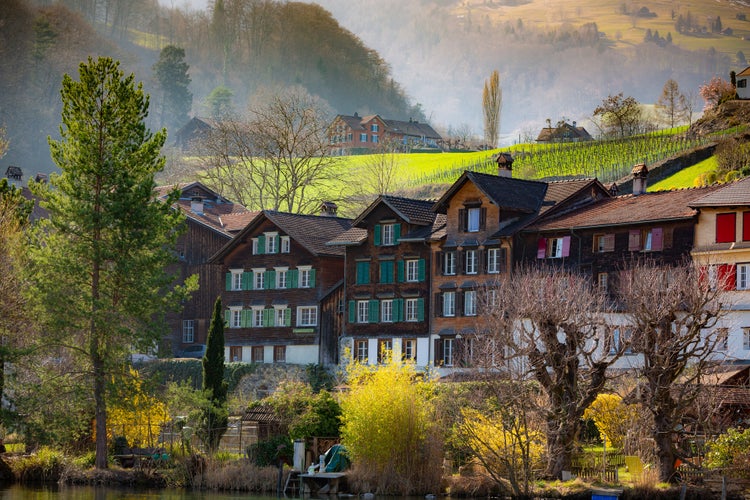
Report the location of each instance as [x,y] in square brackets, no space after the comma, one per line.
[324,482]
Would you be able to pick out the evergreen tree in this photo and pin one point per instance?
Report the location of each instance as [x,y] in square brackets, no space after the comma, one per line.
[99,260]
[172,75]
[214,418]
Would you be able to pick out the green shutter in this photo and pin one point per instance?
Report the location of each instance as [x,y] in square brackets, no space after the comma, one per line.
[227,316]
[377,234]
[386,271]
[293,277]
[352,311]
[276,241]
[261,244]
[398,310]
[287,317]
[247,279]
[246,318]
[269,280]
[400,271]
[363,273]
[396,233]
[420,309]
[421,270]
[229,281]
[268,317]
[312,278]
[374,311]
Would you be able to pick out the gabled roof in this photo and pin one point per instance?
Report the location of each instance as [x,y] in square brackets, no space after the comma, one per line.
[310,231]
[218,212]
[736,193]
[412,128]
[505,192]
[410,210]
[565,131]
[353,122]
[661,206]
[744,72]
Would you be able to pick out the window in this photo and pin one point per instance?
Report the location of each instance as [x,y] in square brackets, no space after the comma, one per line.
[385,347]
[188,331]
[409,349]
[360,350]
[412,309]
[255,246]
[412,270]
[235,318]
[236,277]
[258,275]
[257,354]
[306,277]
[449,304]
[363,273]
[725,227]
[388,234]
[272,242]
[374,127]
[494,262]
[449,263]
[374,138]
[471,261]
[742,83]
[285,245]
[281,277]
[386,311]
[602,281]
[307,316]
[363,137]
[722,339]
[620,338]
[604,243]
[447,352]
[473,220]
[470,303]
[386,271]
[235,353]
[746,338]
[282,316]
[743,276]
[257,315]
[647,240]
[279,354]
[363,311]
[555,248]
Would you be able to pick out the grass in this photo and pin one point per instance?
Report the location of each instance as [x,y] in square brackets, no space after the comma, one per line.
[686,177]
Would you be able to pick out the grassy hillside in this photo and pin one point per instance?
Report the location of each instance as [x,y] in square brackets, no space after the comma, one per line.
[622,29]
[685,178]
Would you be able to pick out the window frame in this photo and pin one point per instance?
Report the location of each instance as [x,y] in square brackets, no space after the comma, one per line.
[282,277]
[473,219]
[604,243]
[449,304]
[388,234]
[409,349]
[412,270]
[257,354]
[448,354]
[493,260]
[470,303]
[743,276]
[304,276]
[236,279]
[411,310]
[361,350]
[386,305]
[271,247]
[471,260]
[746,338]
[285,244]
[363,311]
[449,263]
[235,317]
[279,354]
[309,313]
[259,278]
[256,317]
[188,331]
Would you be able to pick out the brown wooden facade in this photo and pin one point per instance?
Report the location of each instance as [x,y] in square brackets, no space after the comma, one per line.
[278,279]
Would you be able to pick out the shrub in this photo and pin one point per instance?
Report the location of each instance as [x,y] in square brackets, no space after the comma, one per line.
[269,452]
[729,449]
[46,465]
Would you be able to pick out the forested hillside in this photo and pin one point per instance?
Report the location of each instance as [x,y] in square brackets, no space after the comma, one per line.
[245,46]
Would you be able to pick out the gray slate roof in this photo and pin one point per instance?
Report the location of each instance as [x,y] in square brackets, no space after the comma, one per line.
[736,193]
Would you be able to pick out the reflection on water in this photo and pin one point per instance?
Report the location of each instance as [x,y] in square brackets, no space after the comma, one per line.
[53,492]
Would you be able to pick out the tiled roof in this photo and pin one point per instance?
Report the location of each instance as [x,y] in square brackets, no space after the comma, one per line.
[558,191]
[427,232]
[744,72]
[736,193]
[629,209]
[565,131]
[505,192]
[353,122]
[410,210]
[352,236]
[411,128]
[236,221]
[311,231]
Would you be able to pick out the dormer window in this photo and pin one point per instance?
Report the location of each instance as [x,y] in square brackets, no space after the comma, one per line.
[472,218]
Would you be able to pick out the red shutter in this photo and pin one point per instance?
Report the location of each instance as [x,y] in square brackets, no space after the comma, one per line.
[634,240]
[725,228]
[727,276]
[566,246]
[609,242]
[745,226]
[657,239]
[703,277]
[541,248]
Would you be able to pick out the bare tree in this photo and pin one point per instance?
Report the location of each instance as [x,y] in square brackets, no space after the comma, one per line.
[549,324]
[492,103]
[618,116]
[671,311]
[671,103]
[276,159]
[378,171]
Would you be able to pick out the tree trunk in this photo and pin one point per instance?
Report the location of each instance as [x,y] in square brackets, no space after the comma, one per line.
[664,448]
[561,437]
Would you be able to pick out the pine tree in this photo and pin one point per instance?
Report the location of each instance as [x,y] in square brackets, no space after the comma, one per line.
[99,260]
[171,72]
[214,417]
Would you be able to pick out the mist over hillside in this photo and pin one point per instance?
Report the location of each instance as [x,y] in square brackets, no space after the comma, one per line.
[442,52]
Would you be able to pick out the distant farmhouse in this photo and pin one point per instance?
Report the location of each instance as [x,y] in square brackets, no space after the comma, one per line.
[362,134]
[193,131]
[563,132]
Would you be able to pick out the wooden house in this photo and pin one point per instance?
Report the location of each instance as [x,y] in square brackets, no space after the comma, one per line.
[196,129]
[211,221]
[388,279]
[742,79]
[481,242]
[282,289]
[564,132]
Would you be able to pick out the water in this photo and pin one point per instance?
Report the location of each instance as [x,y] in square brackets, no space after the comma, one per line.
[53,492]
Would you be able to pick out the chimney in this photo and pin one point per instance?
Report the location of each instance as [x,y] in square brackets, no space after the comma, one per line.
[328,209]
[640,179]
[504,165]
[196,205]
